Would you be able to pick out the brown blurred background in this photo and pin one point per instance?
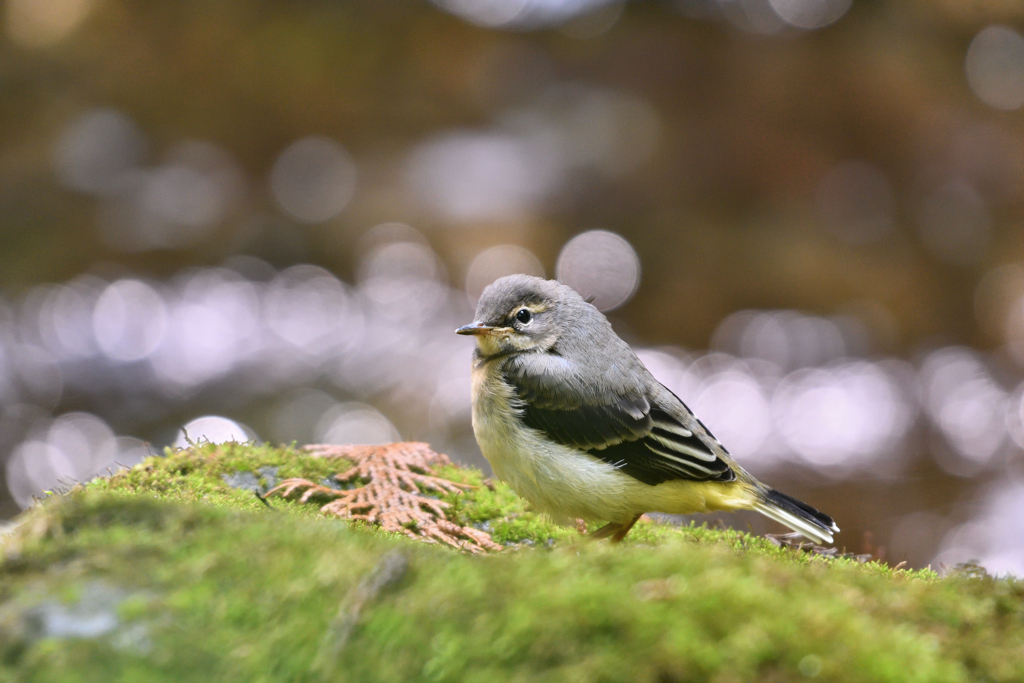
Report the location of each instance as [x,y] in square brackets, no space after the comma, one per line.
[263,219]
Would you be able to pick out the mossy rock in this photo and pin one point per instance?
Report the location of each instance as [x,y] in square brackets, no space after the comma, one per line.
[166,572]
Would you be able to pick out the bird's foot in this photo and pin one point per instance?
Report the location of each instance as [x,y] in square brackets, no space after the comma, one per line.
[614,530]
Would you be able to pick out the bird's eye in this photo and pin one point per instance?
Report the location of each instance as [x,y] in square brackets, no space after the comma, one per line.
[524,315]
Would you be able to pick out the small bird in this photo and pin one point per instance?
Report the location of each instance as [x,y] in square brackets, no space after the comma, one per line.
[570,418]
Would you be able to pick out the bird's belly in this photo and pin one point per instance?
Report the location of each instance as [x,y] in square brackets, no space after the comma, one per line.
[559,480]
[556,479]
[563,482]
[567,483]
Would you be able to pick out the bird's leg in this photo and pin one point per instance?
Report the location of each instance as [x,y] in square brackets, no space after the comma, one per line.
[605,531]
[624,529]
[616,530]
[581,527]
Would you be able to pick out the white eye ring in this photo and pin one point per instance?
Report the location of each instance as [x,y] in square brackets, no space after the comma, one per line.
[524,316]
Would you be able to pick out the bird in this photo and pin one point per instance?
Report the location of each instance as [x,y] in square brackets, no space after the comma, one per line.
[569,417]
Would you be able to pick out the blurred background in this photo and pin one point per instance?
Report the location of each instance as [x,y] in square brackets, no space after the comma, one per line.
[264,219]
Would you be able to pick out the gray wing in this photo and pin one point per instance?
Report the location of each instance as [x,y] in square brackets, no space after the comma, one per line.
[628,427]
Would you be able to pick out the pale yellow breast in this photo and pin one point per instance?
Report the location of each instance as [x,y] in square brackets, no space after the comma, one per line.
[556,479]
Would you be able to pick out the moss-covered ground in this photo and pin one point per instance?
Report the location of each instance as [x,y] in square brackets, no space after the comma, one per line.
[168,573]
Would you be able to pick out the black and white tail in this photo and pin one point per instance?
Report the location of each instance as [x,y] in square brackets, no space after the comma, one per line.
[797,515]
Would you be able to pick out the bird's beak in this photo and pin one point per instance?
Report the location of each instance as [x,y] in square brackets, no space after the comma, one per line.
[478,328]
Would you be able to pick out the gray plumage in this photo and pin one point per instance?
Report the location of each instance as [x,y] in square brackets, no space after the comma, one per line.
[571,418]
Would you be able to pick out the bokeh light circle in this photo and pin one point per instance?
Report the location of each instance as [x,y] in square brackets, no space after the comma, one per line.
[489,13]
[313,180]
[71,448]
[355,423]
[129,320]
[305,305]
[520,14]
[34,468]
[602,266]
[735,408]
[995,67]
[499,261]
[95,152]
[810,14]
[965,404]
[213,429]
[403,281]
[38,23]
[472,176]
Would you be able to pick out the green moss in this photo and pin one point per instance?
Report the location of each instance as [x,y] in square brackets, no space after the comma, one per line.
[197,475]
[197,581]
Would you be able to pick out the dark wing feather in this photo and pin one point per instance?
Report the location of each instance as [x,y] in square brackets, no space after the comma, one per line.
[643,440]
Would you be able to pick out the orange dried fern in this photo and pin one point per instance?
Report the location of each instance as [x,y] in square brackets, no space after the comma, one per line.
[396,476]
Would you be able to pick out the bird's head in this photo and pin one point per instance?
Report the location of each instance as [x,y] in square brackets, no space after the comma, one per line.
[520,313]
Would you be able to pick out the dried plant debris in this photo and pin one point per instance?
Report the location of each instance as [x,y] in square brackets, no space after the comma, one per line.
[797,541]
[391,485]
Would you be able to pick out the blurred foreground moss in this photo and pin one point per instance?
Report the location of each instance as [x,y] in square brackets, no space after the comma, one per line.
[167,573]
